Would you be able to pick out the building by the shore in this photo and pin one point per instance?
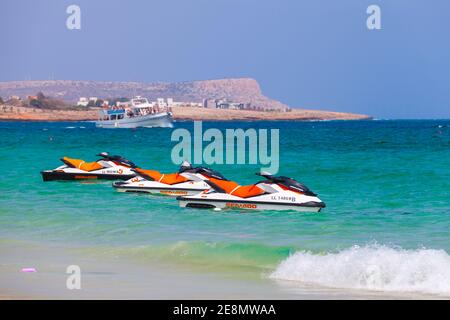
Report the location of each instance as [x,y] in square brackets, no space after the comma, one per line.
[223,103]
[126,102]
[84,102]
[226,104]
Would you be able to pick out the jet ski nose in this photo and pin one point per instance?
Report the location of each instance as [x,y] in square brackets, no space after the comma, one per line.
[315,204]
[118,183]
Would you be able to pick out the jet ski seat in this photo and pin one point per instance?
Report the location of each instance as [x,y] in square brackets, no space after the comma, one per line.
[81,164]
[171,178]
[235,189]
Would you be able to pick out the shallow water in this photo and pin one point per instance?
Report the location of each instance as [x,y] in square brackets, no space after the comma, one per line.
[386,185]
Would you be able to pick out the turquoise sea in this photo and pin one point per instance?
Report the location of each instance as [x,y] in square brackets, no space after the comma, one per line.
[386,184]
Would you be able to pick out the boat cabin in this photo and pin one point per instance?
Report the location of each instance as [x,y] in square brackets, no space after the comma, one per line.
[139,107]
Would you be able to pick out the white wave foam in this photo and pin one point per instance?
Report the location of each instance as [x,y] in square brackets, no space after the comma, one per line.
[372,267]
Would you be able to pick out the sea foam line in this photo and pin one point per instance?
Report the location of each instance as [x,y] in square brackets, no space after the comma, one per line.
[371,267]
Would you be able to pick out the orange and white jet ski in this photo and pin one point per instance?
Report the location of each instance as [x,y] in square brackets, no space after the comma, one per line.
[274,193]
[187,181]
[107,167]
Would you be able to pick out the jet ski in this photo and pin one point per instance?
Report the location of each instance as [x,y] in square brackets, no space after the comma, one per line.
[108,167]
[187,181]
[273,193]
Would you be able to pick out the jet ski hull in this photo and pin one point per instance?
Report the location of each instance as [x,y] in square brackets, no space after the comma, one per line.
[311,206]
[51,175]
[167,191]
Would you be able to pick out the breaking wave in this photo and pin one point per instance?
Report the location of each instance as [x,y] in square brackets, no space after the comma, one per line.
[220,256]
[371,267]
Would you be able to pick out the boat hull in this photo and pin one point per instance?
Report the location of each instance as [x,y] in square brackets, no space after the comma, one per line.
[248,205]
[163,119]
[59,175]
[173,192]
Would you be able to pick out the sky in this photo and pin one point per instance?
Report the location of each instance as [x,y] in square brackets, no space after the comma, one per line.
[306,53]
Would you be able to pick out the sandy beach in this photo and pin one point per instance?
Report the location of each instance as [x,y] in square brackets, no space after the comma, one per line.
[179,113]
[295,114]
[106,276]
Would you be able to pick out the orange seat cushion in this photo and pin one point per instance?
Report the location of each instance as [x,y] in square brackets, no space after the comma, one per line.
[81,164]
[248,191]
[235,189]
[151,174]
[171,178]
[227,186]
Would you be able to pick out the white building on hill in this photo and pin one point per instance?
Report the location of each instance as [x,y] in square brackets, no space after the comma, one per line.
[82,102]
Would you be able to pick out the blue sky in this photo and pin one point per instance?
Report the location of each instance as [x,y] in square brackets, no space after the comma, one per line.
[311,54]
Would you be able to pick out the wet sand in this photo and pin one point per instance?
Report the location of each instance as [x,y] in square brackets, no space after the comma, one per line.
[116,278]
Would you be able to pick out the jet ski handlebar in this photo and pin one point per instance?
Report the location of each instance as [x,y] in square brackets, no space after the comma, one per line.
[287,182]
[206,171]
[106,156]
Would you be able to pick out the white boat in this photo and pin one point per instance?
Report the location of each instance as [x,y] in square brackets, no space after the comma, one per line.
[141,113]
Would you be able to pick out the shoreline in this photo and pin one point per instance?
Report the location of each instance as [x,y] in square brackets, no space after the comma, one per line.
[183,114]
[105,276]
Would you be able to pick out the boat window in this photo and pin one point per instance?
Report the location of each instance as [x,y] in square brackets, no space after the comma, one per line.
[113,117]
[120,116]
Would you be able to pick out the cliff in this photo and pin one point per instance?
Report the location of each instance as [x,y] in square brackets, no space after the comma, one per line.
[238,90]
